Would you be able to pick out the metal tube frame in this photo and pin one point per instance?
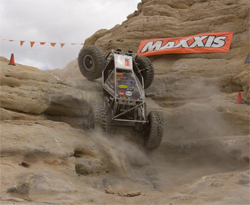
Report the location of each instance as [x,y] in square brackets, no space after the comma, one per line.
[114,101]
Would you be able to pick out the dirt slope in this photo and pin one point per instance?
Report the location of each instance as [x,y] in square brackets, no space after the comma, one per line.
[48,157]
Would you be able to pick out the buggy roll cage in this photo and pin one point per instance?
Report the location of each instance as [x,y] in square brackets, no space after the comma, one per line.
[112,99]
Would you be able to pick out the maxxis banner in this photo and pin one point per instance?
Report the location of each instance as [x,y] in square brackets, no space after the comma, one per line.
[201,43]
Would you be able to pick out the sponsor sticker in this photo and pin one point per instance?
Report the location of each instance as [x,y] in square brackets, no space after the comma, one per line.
[126,62]
[118,79]
[201,43]
[129,93]
[122,86]
[120,74]
[121,93]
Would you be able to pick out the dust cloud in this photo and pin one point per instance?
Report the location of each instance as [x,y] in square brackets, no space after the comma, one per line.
[121,150]
[199,140]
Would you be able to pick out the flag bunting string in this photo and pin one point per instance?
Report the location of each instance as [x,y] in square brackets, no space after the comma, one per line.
[40,42]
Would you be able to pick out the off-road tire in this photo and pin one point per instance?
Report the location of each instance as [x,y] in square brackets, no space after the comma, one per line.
[97,118]
[154,132]
[91,61]
[144,63]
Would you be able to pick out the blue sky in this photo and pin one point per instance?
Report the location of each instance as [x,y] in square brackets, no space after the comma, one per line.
[59,21]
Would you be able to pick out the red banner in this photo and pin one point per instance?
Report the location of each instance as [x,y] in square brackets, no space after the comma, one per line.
[201,43]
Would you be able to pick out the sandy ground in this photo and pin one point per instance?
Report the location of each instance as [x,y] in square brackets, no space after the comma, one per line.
[203,159]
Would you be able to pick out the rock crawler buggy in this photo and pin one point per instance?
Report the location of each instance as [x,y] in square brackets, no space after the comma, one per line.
[125,75]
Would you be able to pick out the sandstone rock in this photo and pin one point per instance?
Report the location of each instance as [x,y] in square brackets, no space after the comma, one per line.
[122,194]
[12,115]
[28,90]
[98,34]
[109,191]
[166,19]
[132,194]
[40,157]
[3,59]
[129,194]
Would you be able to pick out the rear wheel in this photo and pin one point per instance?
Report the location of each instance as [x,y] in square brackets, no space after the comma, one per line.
[91,61]
[97,118]
[147,69]
[154,131]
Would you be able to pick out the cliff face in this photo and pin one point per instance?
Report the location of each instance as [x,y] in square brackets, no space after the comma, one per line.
[48,156]
[166,19]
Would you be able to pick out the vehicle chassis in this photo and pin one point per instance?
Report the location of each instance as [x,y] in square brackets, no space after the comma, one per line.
[125,105]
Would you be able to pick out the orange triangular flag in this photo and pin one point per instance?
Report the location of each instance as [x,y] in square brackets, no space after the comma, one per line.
[42,43]
[32,43]
[53,44]
[62,44]
[21,42]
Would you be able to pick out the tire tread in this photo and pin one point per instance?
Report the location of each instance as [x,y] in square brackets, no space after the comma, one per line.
[153,138]
[145,63]
[99,59]
[100,118]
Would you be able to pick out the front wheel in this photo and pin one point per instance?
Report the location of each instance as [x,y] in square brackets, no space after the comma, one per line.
[91,61]
[154,131]
[145,65]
